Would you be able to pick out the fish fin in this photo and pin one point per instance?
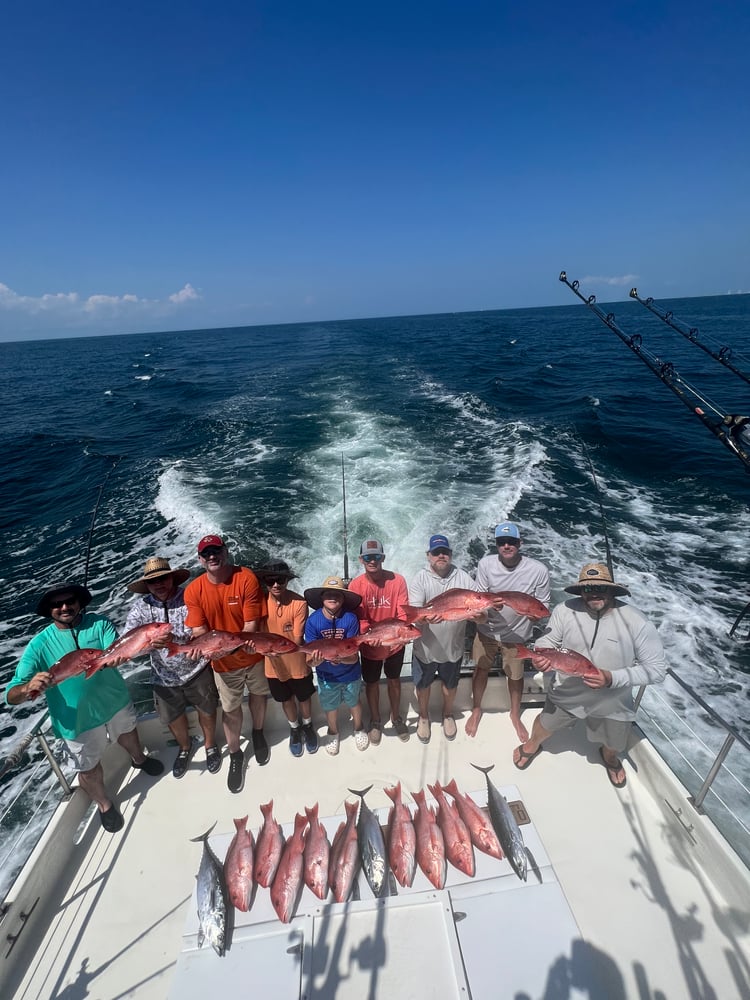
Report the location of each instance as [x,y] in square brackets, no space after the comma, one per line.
[361,793]
[204,836]
[484,770]
[93,668]
[392,791]
[240,824]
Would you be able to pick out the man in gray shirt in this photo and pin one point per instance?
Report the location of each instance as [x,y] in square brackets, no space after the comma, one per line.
[510,569]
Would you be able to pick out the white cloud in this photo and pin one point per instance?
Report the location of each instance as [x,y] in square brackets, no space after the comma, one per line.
[71,305]
[622,279]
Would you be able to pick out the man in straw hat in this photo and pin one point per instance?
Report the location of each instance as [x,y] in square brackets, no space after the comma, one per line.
[290,677]
[86,712]
[627,652]
[339,676]
[178,681]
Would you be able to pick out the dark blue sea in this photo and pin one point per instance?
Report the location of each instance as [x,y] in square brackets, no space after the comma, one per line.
[445,423]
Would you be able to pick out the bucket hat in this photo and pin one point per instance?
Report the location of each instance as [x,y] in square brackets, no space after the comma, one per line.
[83,594]
[157,567]
[314,595]
[598,575]
[276,568]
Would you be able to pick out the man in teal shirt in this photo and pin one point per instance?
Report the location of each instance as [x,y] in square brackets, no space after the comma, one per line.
[85,712]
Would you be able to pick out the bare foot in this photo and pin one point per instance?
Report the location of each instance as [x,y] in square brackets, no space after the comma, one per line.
[472,723]
[521,731]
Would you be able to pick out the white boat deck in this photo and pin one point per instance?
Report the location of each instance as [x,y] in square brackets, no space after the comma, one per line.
[623,901]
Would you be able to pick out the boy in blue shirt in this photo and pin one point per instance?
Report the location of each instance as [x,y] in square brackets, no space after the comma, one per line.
[339,678]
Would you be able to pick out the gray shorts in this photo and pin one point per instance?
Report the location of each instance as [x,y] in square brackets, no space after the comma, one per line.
[88,748]
[200,692]
[423,674]
[612,733]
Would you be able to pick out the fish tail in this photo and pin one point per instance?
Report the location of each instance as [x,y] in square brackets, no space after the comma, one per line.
[393,791]
[267,809]
[241,824]
[361,793]
[204,836]
[418,797]
[451,788]
[484,770]
[312,813]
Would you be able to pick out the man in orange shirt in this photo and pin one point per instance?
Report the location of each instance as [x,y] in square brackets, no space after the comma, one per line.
[229,598]
[290,678]
[384,595]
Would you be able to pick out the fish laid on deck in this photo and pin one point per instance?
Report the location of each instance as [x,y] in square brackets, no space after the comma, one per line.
[212,899]
[565,660]
[458,846]
[238,866]
[402,839]
[430,843]
[268,847]
[134,643]
[483,836]
[505,826]
[371,842]
[288,880]
[317,854]
[344,863]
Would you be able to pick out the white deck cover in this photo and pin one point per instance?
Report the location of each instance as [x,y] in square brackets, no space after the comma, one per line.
[630,903]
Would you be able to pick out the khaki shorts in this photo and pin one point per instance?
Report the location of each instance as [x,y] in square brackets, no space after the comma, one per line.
[231,686]
[88,749]
[485,650]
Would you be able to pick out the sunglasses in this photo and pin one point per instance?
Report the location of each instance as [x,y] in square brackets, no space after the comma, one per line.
[372,559]
[441,552]
[62,602]
[271,580]
[593,589]
[212,550]
[508,541]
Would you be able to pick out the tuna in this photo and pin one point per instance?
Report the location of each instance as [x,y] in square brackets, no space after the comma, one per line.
[79,661]
[213,644]
[458,846]
[390,632]
[371,846]
[238,866]
[523,604]
[288,881]
[505,826]
[483,837]
[138,640]
[430,843]
[211,893]
[317,855]
[268,847]
[333,649]
[344,865]
[566,660]
[402,839]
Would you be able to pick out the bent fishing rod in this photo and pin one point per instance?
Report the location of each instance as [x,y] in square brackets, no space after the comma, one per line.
[93,520]
[723,355]
[666,372]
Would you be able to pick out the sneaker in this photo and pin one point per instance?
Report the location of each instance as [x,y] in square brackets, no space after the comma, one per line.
[236,776]
[213,759]
[449,727]
[262,753]
[332,744]
[402,730]
[362,740]
[311,738]
[295,741]
[423,730]
[111,820]
[150,766]
[374,735]
[181,761]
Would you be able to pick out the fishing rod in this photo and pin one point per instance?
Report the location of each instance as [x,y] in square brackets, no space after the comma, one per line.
[93,520]
[724,353]
[601,508]
[346,539]
[666,372]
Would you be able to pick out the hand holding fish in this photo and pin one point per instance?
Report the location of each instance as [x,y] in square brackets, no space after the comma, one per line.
[38,684]
[603,678]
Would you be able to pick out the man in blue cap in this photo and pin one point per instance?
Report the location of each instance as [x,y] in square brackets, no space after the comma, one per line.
[508,569]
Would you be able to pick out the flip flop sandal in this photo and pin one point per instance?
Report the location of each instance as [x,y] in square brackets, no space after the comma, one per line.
[612,770]
[525,758]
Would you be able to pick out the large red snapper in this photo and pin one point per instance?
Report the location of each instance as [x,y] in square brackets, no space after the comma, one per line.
[268,847]
[317,855]
[213,645]
[523,604]
[333,649]
[138,640]
[402,839]
[430,843]
[483,836]
[454,605]
[288,880]
[78,661]
[458,847]
[390,632]
[238,866]
[566,660]
[269,644]
[344,864]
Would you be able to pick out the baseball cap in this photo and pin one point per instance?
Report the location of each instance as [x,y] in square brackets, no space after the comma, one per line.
[371,547]
[506,529]
[208,540]
[438,542]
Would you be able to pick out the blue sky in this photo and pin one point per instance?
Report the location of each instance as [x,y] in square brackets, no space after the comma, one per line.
[220,164]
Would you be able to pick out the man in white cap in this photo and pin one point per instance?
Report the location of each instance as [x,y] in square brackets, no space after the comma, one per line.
[178,681]
[509,569]
[625,648]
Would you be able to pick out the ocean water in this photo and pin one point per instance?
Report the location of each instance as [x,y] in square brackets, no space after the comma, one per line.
[445,423]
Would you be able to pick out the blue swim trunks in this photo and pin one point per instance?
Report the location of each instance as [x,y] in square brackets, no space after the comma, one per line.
[334,693]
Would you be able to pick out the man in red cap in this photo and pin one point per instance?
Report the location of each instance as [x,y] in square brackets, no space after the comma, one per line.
[230,598]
